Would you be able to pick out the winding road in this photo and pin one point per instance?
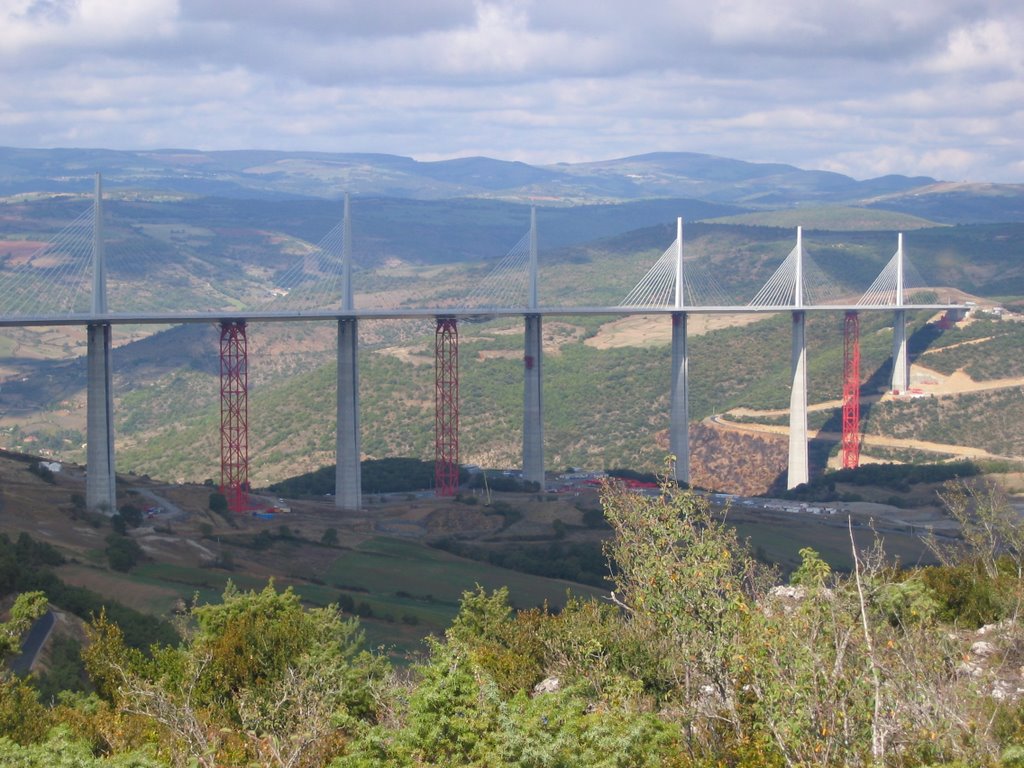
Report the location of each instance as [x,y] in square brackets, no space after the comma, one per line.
[867,440]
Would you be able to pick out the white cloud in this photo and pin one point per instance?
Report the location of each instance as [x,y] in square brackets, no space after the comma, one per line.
[991,44]
[37,27]
[866,88]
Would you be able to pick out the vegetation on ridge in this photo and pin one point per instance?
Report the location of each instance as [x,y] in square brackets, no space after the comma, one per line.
[698,657]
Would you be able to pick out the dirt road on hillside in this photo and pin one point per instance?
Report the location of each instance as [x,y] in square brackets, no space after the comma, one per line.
[867,440]
[653,331]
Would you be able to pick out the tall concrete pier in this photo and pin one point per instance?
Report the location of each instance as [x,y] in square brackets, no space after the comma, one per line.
[900,358]
[101,482]
[679,409]
[799,471]
[533,410]
[348,477]
[348,482]
[533,406]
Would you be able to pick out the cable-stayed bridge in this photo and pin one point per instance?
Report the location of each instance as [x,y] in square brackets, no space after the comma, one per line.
[77,278]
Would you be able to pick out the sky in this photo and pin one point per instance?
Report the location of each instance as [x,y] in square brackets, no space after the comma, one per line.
[865,87]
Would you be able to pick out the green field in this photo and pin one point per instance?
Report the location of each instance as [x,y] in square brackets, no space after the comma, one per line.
[781,542]
[830,217]
[411,589]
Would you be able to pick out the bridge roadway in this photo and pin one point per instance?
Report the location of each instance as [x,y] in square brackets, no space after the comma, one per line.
[462,313]
[101,491]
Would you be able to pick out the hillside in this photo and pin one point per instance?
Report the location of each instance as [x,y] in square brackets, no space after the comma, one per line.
[615,416]
[957,202]
[606,379]
[401,564]
[292,176]
[281,175]
[700,654]
[187,550]
[167,390]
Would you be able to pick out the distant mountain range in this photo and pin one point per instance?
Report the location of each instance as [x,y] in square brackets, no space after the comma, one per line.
[254,174]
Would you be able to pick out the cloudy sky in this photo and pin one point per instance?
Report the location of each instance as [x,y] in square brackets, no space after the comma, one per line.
[864,87]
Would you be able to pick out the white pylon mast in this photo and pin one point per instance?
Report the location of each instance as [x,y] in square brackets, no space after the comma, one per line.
[899,270]
[347,302]
[532,297]
[99,273]
[680,288]
[798,287]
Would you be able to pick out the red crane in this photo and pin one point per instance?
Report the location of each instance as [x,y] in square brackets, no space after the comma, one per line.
[234,415]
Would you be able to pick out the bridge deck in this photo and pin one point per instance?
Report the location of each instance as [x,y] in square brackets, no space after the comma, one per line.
[475,313]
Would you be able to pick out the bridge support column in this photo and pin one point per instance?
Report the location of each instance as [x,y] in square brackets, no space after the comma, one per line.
[101,483]
[446,407]
[533,408]
[900,359]
[799,472]
[679,415]
[348,485]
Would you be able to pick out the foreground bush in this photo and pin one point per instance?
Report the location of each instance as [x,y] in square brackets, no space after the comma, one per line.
[698,657]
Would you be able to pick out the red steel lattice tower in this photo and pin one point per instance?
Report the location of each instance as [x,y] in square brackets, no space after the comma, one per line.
[446,407]
[851,391]
[234,415]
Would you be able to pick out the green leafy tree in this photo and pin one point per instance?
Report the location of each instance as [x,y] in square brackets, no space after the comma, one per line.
[989,526]
[687,586]
[260,680]
[505,648]
[62,749]
[123,552]
[27,607]
[558,729]
[131,515]
[22,718]
[330,537]
[218,503]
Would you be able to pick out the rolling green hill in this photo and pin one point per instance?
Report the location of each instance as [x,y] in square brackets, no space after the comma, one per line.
[281,175]
[606,403]
[603,406]
[293,176]
[844,218]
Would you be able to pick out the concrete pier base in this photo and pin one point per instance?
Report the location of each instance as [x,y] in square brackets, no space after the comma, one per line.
[533,408]
[799,472]
[679,415]
[101,483]
[348,483]
[900,359]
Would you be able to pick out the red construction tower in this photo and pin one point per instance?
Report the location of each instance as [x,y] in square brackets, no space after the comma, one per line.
[234,415]
[446,407]
[851,391]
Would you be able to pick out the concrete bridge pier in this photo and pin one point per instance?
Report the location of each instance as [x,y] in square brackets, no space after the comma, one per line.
[900,359]
[533,406]
[348,483]
[101,483]
[533,409]
[348,476]
[679,415]
[679,408]
[798,463]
